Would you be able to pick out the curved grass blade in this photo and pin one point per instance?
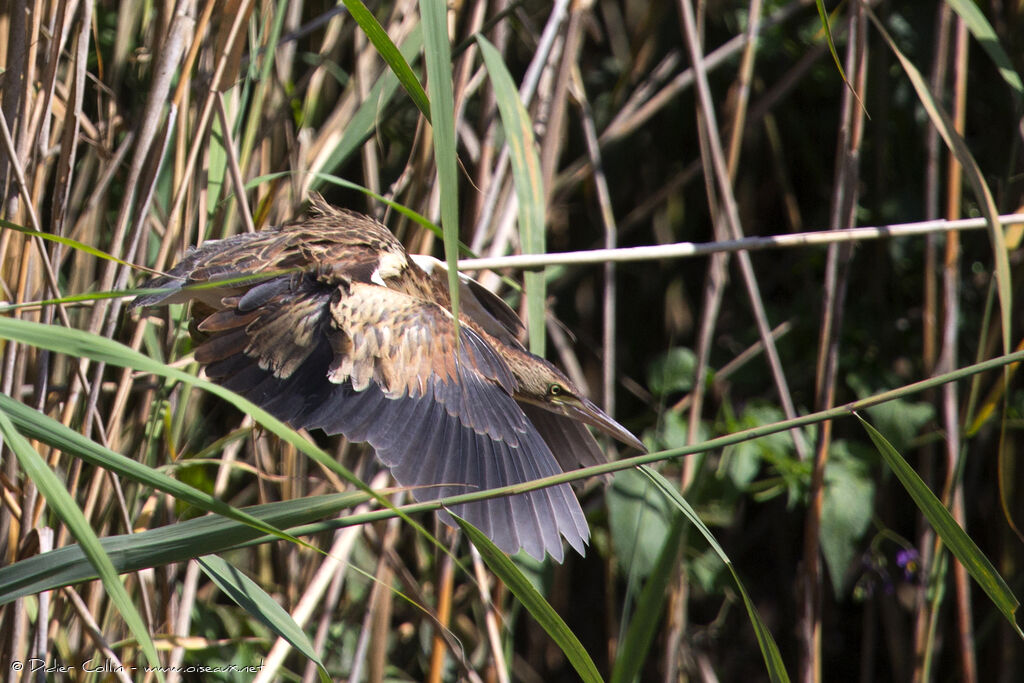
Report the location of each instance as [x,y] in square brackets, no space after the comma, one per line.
[172,543]
[61,502]
[986,36]
[632,652]
[769,650]
[73,244]
[529,182]
[952,535]
[44,428]
[391,55]
[940,119]
[534,602]
[827,26]
[76,299]
[362,123]
[256,602]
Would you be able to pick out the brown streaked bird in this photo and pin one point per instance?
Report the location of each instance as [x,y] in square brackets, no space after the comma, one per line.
[340,329]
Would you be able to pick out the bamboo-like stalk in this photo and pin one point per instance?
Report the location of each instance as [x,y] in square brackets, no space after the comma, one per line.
[759,243]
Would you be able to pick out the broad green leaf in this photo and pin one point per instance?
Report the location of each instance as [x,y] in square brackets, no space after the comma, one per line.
[529,181]
[256,602]
[672,372]
[639,519]
[673,431]
[952,535]
[535,604]
[845,514]
[61,502]
[742,462]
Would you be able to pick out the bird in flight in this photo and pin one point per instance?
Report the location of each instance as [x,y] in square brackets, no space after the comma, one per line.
[328,323]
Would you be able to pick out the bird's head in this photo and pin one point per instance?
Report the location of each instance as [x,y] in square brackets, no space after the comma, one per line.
[542,384]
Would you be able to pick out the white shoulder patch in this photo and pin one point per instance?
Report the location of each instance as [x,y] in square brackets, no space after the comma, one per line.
[391,265]
[428,263]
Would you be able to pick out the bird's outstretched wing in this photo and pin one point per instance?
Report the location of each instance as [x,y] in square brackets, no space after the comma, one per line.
[321,350]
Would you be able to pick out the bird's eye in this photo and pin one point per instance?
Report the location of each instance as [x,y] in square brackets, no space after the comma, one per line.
[555,390]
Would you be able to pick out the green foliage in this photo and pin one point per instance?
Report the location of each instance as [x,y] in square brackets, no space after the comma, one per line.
[673,372]
[847,508]
[741,463]
[639,518]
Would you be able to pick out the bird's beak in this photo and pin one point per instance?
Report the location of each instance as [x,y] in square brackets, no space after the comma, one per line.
[589,413]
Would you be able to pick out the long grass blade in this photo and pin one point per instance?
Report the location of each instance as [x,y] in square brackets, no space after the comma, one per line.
[956,144]
[391,54]
[67,242]
[442,106]
[529,181]
[826,25]
[534,602]
[986,36]
[177,542]
[50,431]
[57,497]
[769,650]
[951,533]
[256,602]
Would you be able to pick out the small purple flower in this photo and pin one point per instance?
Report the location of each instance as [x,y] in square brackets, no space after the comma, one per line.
[909,560]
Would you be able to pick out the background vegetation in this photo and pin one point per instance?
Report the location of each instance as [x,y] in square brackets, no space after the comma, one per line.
[140,128]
